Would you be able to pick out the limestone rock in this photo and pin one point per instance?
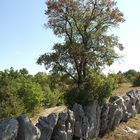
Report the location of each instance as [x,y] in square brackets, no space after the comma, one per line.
[81,127]
[8,129]
[116,111]
[27,131]
[65,126]
[93,113]
[133,106]
[46,126]
[104,120]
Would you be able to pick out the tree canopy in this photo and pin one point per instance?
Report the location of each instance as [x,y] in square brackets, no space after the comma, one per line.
[89,43]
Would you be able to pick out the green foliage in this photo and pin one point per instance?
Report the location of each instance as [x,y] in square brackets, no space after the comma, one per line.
[54,97]
[50,85]
[31,94]
[99,87]
[130,75]
[113,78]
[11,106]
[19,93]
[136,81]
[88,45]
[121,77]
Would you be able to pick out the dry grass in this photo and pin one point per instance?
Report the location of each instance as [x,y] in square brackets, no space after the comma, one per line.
[123,88]
[122,131]
[48,111]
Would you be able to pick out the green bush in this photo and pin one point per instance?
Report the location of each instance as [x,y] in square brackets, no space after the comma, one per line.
[130,75]
[32,95]
[11,106]
[98,87]
[136,80]
[19,93]
[53,97]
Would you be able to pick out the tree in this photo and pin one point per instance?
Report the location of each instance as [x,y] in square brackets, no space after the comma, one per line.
[130,75]
[89,44]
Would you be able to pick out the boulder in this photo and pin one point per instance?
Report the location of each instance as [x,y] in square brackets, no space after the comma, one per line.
[116,111]
[93,113]
[133,106]
[27,131]
[104,120]
[65,126]
[8,129]
[81,127]
[46,126]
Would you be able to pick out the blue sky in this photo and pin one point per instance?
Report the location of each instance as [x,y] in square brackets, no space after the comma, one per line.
[23,37]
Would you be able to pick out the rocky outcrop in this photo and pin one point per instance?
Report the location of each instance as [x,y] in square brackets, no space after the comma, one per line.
[82,122]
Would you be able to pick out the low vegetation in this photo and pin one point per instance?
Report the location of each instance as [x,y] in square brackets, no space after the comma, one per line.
[21,92]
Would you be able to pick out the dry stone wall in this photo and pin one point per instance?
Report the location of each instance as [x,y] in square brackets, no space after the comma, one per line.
[80,123]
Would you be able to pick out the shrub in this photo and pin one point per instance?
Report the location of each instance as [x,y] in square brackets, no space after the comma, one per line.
[130,75]
[11,106]
[53,97]
[32,95]
[121,78]
[99,87]
[136,80]
[19,93]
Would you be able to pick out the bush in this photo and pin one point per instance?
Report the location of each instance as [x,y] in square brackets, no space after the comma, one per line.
[19,93]
[136,80]
[130,75]
[32,95]
[11,106]
[53,97]
[99,87]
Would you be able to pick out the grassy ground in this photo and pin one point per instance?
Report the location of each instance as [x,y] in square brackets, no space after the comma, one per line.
[123,88]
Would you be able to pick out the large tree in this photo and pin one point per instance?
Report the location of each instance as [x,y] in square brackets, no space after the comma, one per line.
[89,43]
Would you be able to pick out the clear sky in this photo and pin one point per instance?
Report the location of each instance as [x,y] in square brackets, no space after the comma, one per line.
[23,37]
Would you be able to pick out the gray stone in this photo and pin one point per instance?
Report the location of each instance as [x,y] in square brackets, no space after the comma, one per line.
[46,126]
[65,127]
[8,129]
[134,104]
[116,112]
[81,128]
[27,131]
[93,113]
[104,120]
